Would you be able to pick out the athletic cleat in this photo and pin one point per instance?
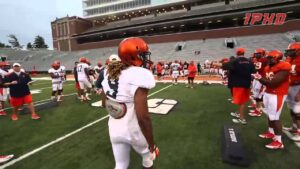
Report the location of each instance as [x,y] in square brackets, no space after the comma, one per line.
[275,145]
[267,135]
[14,117]
[35,117]
[255,113]
[3,113]
[87,98]
[296,138]
[5,158]
[239,121]
[252,105]
[292,130]
[234,114]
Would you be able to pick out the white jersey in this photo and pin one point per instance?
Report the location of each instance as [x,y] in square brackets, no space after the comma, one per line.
[3,73]
[122,91]
[62,72]
[175,67]
[57,73]
[80,71]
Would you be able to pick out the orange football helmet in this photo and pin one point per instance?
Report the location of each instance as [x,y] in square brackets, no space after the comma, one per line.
[293,50]
[259,53]
[275,54]
[134,51]
[83,60]
[54,65]
[240,51]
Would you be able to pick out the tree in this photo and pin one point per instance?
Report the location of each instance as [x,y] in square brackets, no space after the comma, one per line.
[2,45]
[14,41]
[39,42]
[29,45]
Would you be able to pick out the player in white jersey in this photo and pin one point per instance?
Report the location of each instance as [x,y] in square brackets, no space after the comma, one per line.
[56,76]
[125,87]
[175,68]
[84,78]
[3,90]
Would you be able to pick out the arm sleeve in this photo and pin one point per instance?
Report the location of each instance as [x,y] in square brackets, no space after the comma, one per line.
[100,79]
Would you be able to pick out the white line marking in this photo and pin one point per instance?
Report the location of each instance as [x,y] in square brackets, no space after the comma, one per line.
[290,136]
[10,163]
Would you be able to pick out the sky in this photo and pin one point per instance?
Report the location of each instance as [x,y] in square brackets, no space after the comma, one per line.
[29,18]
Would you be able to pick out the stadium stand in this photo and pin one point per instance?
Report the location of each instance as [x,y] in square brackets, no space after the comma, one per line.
[209,49]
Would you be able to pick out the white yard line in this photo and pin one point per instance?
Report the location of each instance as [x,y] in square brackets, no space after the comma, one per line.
[10,163]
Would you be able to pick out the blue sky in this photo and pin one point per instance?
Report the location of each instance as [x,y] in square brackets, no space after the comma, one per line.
[28,18]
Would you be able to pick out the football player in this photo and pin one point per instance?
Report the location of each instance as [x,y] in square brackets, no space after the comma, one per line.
[84,79]
[293,99]
[175,71]
[4,66]
[260,63]
[55,74]
[77,87]
[192,73]
[277,85]
[62,74]
[125,86]
[98,68]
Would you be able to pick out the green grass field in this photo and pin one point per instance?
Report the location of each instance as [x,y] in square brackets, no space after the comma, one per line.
[189,137]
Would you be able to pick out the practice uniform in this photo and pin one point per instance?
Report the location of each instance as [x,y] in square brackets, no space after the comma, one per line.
[124,129]
[294,85]
[175,70]
[257,88]
[274,97]
[83,80]
[4,91]
[57,80]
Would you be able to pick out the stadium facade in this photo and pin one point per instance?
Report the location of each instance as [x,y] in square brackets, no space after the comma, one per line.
[161,22]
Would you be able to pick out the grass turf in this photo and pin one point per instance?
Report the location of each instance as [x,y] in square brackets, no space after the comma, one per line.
[188,137]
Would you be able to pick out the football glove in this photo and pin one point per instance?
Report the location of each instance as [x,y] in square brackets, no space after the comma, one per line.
[155,153]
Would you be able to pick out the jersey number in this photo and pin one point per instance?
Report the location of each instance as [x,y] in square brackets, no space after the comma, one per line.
[270,75]
[79,69]
[113,85]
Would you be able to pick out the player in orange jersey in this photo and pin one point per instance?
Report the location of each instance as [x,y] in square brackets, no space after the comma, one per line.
[293,99]
[260,63]
[277,85]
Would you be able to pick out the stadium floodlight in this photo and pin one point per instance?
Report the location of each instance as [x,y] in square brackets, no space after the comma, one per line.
[209,22]
[290,12]
[182,25]
[219,21]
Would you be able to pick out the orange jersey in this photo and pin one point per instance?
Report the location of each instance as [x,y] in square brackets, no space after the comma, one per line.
[260,65]
[295,70]
[283,88]
[192,70]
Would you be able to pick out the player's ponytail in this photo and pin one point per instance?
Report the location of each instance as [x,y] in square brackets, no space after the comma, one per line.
[115,69]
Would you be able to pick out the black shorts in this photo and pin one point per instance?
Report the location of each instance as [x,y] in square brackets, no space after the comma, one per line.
[191,78]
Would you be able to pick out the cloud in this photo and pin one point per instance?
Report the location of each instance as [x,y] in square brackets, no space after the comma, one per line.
[29,18]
